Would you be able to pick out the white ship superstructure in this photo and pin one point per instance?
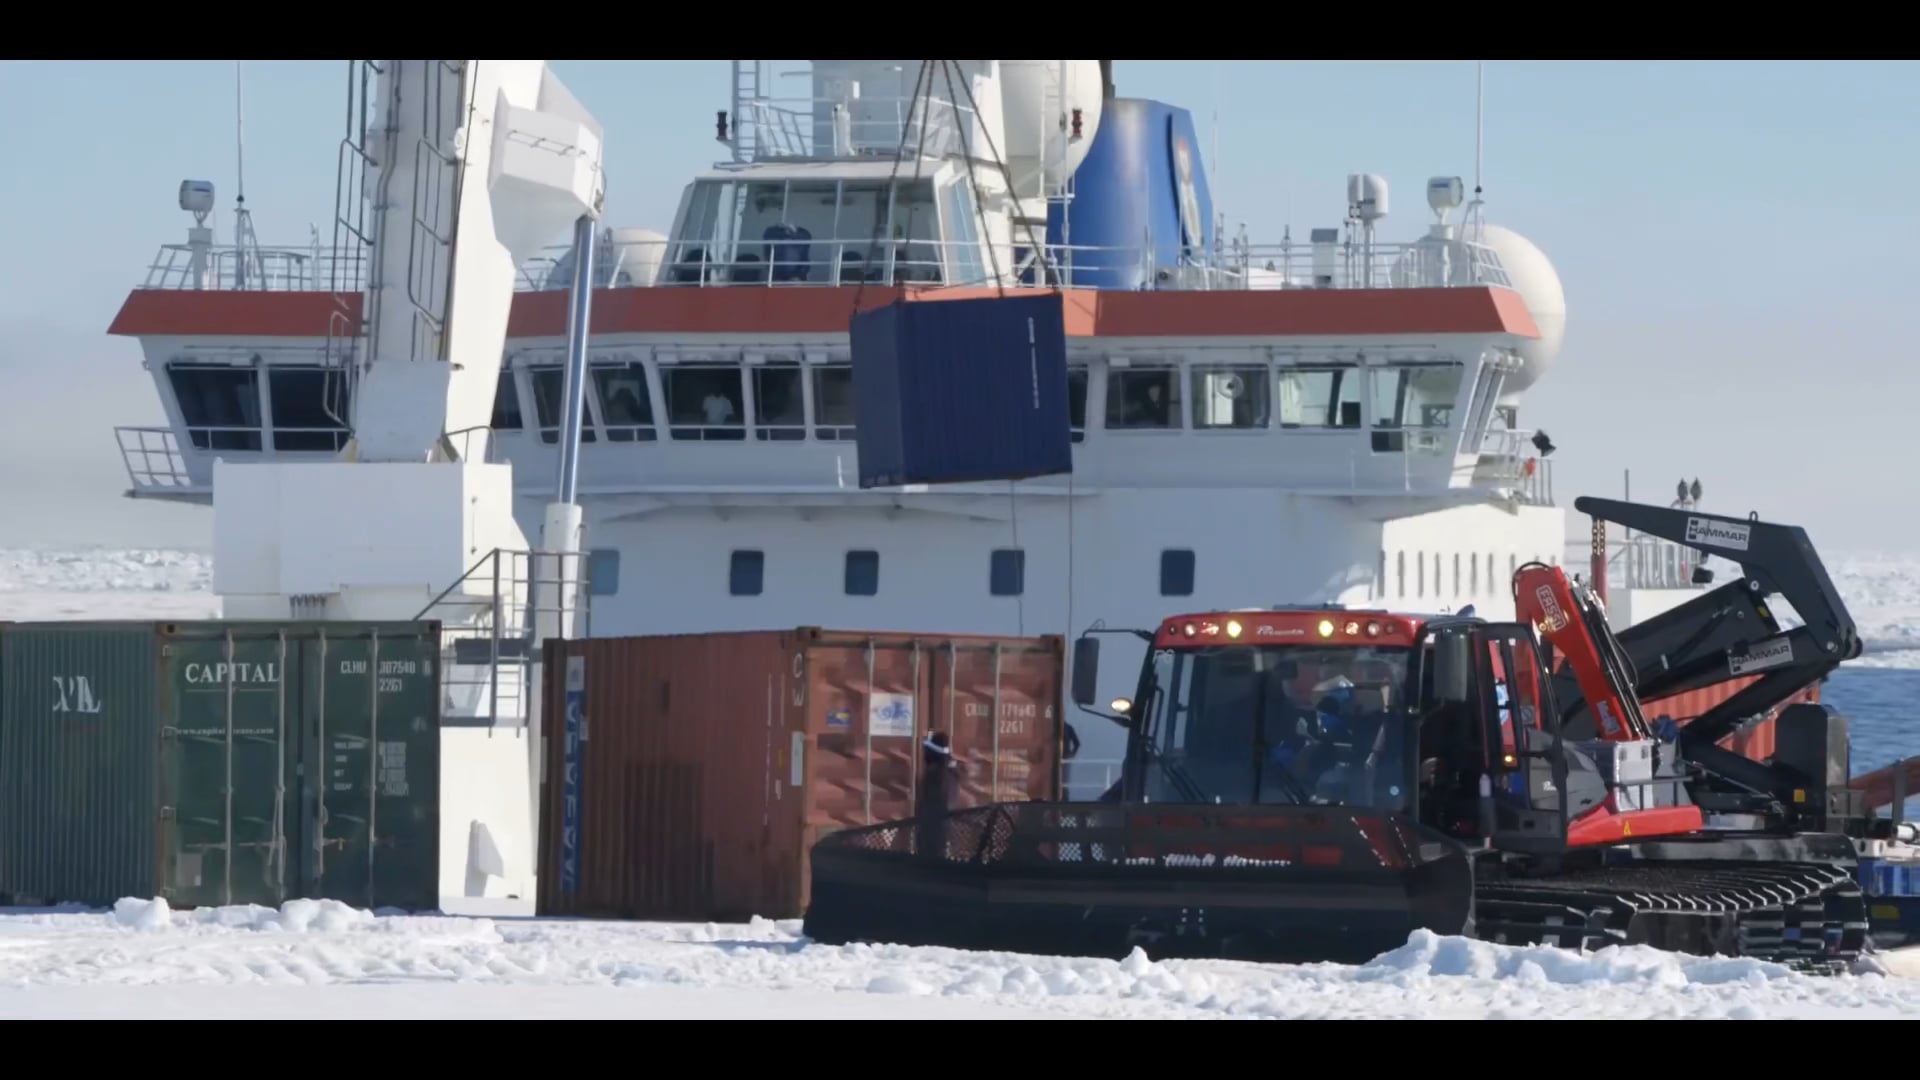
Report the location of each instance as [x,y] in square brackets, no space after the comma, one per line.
[1335,420]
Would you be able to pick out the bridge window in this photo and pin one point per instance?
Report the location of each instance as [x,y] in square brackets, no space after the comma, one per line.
[1411,396]
[1143,398]
[1007,572]
[220,405]
[862,573]
[1231,397]
[870,212]
[705,401]
[550,402]
[805,232]
[309,408]
[1324,397]
[833,402]
[1176,572]
[779,401]
[626,410]
[963,234]
[746,572]
[506,402]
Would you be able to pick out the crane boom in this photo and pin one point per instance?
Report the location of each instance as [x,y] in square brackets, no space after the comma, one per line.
[445,261]
[471,166]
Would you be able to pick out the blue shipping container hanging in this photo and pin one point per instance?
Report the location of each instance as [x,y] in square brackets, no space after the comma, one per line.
[961,391]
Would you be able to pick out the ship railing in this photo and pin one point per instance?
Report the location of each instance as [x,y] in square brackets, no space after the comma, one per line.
[267,269]
[856,260]
[492,619]
[478,444]
[1086,779]
[1650,562]
[784,127]
[153,460]
[1506,459]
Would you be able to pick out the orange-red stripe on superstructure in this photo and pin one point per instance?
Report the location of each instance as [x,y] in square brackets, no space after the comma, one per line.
[234,313]
[826,310]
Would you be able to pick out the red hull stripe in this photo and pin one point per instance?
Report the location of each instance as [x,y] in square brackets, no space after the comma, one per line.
[825,310]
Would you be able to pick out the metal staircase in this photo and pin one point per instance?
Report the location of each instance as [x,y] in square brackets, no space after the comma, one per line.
[368,144]
[747,89]
[353,244]
[490,636]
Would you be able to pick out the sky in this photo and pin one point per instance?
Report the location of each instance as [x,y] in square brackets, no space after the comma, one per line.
[1738,274]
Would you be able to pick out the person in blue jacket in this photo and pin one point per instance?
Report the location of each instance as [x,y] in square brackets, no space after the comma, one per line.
[1312,729]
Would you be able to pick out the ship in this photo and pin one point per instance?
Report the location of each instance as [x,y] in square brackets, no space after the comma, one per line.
[1333,419]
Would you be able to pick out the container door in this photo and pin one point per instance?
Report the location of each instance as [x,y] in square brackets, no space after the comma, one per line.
[371,738]
[225,768]
[866,700]
[997,701]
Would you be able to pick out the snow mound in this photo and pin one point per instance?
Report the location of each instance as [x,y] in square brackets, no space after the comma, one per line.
[314,951]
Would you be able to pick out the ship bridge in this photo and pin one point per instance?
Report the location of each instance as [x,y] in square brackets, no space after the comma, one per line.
[1339,364]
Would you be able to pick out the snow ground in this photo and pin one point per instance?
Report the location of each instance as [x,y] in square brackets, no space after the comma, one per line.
[324,959]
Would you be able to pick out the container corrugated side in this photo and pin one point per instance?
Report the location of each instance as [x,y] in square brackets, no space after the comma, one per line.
[871,698]
[660,765]
[711,762]
[373,694]
[1754,741]
[79,750]
[961,390]
[254,762]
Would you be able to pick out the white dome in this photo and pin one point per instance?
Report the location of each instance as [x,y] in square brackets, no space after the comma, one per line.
[1440,259]
[1538,283]
[622,258]
[1037,99]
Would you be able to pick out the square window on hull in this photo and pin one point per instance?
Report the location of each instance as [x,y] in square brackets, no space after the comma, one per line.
[863,573]
[746,573]
[1176,572]
[1007,572]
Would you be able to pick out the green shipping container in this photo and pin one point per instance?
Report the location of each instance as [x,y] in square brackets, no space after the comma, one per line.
[220,762]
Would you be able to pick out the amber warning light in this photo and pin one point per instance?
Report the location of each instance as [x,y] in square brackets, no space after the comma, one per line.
[1279,630]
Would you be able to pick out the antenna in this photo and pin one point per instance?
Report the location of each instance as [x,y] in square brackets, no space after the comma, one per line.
[1479,124]
[246,255]
[239,135]
[1213,167]
[1472,221]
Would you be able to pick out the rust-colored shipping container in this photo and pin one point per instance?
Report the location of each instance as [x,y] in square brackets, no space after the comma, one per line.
[688,776]
[1755,741]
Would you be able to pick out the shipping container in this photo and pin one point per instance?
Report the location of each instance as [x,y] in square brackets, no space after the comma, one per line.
[688,776]
[962,390]
[220,762]
[1755,740]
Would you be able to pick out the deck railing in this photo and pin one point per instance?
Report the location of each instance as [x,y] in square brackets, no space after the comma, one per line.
[859,260]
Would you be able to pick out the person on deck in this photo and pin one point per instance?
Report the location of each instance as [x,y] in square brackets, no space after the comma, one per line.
[939,787]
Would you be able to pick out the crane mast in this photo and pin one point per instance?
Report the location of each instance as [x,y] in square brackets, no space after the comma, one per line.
[470,167]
